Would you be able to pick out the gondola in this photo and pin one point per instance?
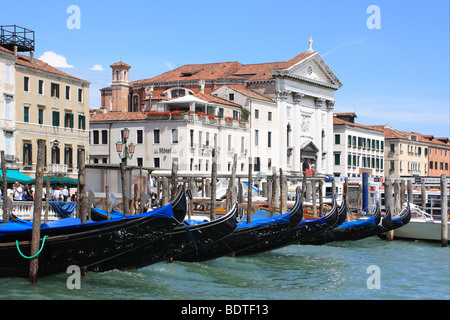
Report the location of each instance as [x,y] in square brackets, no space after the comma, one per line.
[247,235]
[305,229]
[403,219]
[184,239]
[93,243]
[360,229]
[348,230]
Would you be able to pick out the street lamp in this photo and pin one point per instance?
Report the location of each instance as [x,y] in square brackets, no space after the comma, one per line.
[125,151]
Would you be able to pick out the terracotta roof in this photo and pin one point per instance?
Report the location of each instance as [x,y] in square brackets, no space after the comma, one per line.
[6,50]
[390,133]
[337,121]
[225,70]
[196,72]
[214,99]
[120,64]
[241,88]
[42,66]
[118,116]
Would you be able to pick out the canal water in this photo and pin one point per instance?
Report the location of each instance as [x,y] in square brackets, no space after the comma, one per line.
[366,269]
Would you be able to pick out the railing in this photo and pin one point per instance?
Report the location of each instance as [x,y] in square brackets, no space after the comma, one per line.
[57,168]
[24,210]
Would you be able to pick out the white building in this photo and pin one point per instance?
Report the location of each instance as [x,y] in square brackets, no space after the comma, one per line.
[288,105]
[162,139]
[357,148]
[7,105]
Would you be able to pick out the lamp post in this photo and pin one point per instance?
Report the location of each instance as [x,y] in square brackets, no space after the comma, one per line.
[125,152]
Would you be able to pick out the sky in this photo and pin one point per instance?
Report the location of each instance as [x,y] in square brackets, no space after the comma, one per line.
[392,56]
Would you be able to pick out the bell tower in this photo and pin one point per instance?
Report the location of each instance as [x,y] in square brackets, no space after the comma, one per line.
[120,86]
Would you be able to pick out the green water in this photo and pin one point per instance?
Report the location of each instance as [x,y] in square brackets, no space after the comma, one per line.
[407,270]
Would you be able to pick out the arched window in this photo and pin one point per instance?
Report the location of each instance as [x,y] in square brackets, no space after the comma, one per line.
[117,75]
[124,76]
[177,92]
[135,107]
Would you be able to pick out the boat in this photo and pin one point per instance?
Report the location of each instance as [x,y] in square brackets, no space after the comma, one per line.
[305,229]
[184,239]
[347,230]
[360,229]
[247,235]
[422,226]
[87,244]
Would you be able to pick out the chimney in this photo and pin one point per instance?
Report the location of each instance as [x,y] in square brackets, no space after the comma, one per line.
[15,51]
[31,56]
[202,86]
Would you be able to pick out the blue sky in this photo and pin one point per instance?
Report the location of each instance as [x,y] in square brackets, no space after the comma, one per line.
[398,74]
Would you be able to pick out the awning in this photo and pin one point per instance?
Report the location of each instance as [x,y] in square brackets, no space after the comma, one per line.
[14,175]
[61,182]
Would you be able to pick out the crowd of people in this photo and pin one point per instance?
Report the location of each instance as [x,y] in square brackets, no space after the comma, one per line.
[20,192]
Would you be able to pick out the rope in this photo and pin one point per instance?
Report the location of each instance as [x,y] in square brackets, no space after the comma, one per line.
[18,249]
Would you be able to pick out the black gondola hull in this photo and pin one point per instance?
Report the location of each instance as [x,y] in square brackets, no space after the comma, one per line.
[182,240]
[244,238]
[298,234]
[91,247]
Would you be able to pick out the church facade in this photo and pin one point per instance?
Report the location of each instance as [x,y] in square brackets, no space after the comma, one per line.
[286,107]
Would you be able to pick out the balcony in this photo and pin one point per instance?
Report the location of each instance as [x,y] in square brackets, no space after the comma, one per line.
[54,168]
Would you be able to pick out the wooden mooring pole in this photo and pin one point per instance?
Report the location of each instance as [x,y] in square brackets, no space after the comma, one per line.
[82,198]
[283,193]
[273,198]
[4,188]
[212,215]
[125,193]
[37,212]
[47,198]
[107,203]
[249,190]
[444,212]
[174,181]
[388,203]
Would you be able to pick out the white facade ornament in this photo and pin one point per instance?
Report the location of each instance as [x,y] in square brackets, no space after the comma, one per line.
[298,97]
[283,94]
[310,45]
[319,102]
[330,104]
[305,124]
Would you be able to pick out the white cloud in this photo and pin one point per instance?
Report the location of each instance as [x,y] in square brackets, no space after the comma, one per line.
[97,67]
[55,60]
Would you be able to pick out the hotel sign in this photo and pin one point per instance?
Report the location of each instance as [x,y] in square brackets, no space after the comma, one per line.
[164,150]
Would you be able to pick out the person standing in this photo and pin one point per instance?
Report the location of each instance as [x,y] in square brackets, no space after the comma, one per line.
[18,191]
[65,194]
[57,195]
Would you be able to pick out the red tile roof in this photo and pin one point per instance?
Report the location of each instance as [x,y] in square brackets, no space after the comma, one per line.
[214,99]
[337,121]
[117,116]
[196,72]
[120,64]
[6,50]
[225,70]
[241,88]
[42,66]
